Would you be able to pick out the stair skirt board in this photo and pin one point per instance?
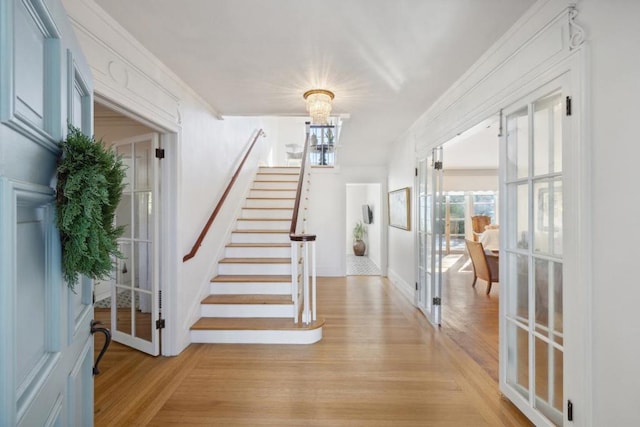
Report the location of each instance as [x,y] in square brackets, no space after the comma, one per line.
[303,336]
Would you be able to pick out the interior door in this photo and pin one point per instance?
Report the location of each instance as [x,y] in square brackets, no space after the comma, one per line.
[532,261]
[430,236]
[134,292]
[46,350]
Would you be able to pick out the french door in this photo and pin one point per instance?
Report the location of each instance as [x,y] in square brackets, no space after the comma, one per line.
[430,234]
[135,284]
[532,258]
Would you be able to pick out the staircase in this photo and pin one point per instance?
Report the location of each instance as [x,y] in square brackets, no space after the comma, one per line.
[251,300]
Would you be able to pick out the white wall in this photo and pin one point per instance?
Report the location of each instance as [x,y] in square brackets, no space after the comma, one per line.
[402,265]
[603,368]
[374,200]
[613,34]
[202,152]
[327,213]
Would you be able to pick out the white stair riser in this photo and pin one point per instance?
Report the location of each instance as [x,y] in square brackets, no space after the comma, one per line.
[270,203]
[246,310]
[255,252]
[254,269]
[282,170]
[231,288]
[266,213]
[260,238]
[276,177]
[252,224]
[276,184]
[273,194]
[257,337]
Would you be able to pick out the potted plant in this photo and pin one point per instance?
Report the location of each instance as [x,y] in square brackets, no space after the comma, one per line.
[359,246]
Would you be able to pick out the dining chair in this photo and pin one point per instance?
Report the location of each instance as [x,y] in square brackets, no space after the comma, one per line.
[484,267]
[478,222]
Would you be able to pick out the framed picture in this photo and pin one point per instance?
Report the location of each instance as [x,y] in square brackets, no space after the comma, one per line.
[399,213]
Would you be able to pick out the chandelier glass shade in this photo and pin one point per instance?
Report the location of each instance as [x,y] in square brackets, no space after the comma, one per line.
[319,105]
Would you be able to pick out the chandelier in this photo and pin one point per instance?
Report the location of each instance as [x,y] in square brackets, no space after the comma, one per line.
[319,105]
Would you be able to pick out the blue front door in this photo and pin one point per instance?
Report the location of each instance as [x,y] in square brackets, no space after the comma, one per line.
[46,349]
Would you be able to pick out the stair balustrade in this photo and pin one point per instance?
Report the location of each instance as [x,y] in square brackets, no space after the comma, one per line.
[303,248]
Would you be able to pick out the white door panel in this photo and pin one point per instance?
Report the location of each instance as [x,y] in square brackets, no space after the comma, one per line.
[133,302]
[531,282]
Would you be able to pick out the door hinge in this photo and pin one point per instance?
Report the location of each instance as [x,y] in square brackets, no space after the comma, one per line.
[568,105]
[437,165]
[416,286]
[416,171]
[437,301]
[160,153]
[160,324]
[569,410]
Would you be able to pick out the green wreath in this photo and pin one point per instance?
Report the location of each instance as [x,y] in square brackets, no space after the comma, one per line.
[90,184]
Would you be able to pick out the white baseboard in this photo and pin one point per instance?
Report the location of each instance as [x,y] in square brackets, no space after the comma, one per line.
[405,288]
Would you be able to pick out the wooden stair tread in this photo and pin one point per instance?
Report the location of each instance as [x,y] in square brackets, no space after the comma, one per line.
[248,299]
[262,231]
[255,261]
[252,323]
[248,278]
[258,245]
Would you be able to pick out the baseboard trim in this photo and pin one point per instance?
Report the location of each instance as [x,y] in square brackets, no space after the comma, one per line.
[405,288]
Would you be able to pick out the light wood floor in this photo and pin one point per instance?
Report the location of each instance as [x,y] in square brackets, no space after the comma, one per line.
[380,364]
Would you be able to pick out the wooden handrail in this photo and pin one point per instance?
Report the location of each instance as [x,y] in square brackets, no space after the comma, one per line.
[205,229]
[296,206]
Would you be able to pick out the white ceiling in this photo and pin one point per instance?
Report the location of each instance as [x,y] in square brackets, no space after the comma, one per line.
[386,61]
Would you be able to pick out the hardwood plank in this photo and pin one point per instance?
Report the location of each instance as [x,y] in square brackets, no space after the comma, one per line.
[380,363]
[262,231]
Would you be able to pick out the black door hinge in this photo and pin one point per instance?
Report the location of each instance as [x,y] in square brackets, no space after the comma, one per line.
[160,153]
[569,410]
[160,324]
[437,165]
[416,171]
[416,286]
[437,301]
[568,105]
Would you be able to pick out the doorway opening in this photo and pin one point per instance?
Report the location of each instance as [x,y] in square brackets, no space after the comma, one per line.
[363,239]
[128,303]
[471,164]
